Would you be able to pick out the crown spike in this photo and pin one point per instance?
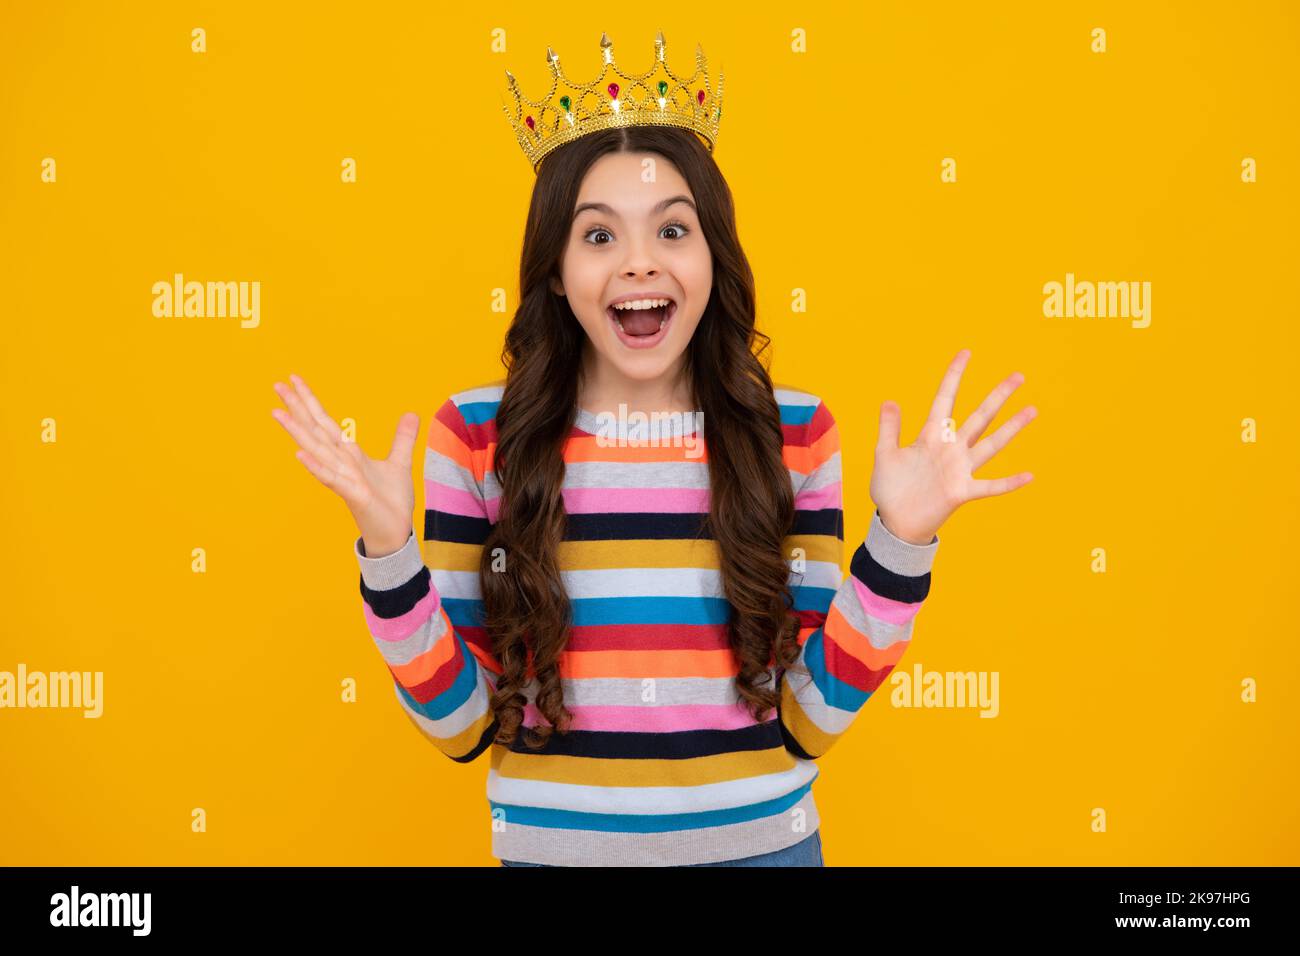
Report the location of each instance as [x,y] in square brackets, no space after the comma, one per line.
[659,96]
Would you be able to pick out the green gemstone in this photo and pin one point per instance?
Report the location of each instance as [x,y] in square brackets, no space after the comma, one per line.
[663,88]
[565,101]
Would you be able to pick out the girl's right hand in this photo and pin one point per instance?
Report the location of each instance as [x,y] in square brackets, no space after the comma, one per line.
[379,493]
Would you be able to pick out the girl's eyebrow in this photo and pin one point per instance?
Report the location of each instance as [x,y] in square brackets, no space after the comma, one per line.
[658,208]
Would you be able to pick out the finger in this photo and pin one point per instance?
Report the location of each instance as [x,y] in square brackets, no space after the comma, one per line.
[299,409]
[889,424]
[315,409]
[322,451]
[987,488]
[303,418]
[331,429]
[331,478]
[408,432]
[974,426]
[944,399]
[990,446]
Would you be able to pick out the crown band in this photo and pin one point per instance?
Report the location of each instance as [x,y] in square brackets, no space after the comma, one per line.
[544,125]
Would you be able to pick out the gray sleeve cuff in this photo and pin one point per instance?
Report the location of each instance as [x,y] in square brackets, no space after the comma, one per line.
[897,555]
[386,573]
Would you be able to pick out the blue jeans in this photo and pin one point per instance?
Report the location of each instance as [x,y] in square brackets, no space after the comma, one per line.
[807,852]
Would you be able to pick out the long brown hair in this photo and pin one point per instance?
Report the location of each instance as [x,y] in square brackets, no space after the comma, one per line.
[526,609]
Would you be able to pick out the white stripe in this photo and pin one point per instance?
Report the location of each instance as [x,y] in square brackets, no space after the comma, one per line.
[584,798]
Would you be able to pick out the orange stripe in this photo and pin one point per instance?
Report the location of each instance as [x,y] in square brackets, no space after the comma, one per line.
[420,669]
[676,663]
[857,644]
[827,445]
[485,658]
[588,448]
[446,442]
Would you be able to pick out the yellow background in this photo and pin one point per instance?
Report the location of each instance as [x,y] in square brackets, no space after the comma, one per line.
[222,690]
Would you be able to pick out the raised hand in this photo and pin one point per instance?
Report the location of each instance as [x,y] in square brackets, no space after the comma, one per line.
[918,487]
[379,493]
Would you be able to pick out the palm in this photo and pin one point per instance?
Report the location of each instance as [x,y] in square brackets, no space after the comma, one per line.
[917,487]
[378,491]
[385,486]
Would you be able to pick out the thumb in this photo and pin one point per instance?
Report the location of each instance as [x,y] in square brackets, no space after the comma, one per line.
[408,431]
[889,418]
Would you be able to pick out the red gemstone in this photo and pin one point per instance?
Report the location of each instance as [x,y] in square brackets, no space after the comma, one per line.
[700,96]
[529,121]
[613,90]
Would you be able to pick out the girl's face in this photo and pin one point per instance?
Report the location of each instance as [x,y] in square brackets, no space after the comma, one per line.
[635,236]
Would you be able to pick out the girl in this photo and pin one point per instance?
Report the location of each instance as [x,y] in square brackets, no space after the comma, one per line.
[647,627]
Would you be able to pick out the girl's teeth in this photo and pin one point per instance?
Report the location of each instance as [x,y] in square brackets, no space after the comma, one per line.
[641,304]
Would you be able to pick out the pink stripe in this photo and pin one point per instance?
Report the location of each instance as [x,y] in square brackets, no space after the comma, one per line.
[660,500]
[402,627]
[832,496]
[882,608]
[651,719]
[456,501]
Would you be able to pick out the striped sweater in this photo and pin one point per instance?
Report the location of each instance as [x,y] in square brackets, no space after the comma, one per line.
[664,765]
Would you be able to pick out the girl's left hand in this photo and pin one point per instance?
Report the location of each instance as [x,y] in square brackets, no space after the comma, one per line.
[916,488]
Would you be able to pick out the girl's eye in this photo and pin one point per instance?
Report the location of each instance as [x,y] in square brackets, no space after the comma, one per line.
[680,227]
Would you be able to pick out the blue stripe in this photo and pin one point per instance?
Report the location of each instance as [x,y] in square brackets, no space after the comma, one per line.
[476,413]
[835,691]
[808,598]
[461,689]
[797,414]
[463,612]
[650,822]
[655,609]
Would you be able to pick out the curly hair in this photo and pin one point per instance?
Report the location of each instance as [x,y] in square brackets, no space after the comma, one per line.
[526,609]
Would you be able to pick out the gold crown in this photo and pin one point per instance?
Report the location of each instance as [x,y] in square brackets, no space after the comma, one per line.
[581,108]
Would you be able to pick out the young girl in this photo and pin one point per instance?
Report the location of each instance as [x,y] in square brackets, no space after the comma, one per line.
[644,619]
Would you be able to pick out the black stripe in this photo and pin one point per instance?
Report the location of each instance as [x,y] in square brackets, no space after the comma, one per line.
[484,742]
[613,526]
[460,529]
[829,521]
[791,744]
[399,600]
[886,583]
[654,746]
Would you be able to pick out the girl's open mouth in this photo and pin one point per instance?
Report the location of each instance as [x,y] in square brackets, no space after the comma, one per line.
[642,328]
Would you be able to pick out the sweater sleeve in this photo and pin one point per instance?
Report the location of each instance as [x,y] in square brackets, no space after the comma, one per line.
[424,611]
[853,629]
